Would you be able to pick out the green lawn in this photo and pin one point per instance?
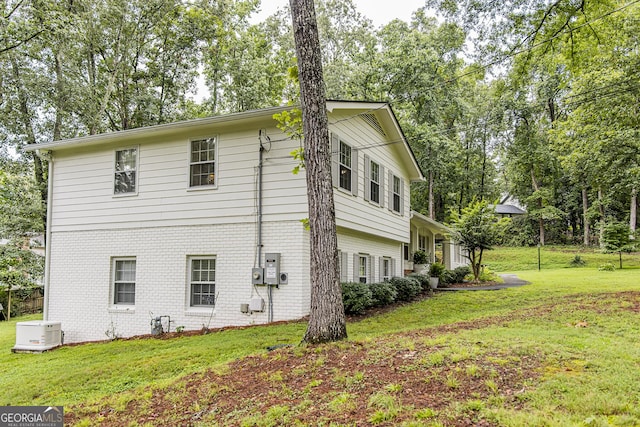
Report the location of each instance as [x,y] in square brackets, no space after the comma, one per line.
[589,375]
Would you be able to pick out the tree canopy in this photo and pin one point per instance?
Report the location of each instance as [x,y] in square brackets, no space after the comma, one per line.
[539,100]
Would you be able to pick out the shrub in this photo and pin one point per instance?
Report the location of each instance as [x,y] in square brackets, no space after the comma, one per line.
[436,269]
[383,293]
[420,257]
[577,261]
[407,288]
[356,297]
[446,279]
[458,274]
[487,275]
[607,266]
[423,279]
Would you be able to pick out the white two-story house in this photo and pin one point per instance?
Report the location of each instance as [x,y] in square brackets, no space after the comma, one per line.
[188,220]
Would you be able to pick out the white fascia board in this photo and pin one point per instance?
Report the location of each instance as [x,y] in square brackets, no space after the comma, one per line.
[156,130]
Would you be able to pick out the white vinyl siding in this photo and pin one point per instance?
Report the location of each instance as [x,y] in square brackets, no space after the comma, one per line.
[124,281]
[125,171]
[84,179]
[360,213]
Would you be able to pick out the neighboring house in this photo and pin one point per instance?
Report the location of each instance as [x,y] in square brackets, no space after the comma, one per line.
[509,206]
[434,238]
[177,220]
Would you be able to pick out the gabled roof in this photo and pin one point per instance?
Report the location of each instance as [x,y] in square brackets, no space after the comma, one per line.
[430,223]
[503,209]
[378,114]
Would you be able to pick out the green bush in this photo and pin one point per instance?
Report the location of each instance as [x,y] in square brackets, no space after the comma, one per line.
[607,266]
[436,269]
[356,297]
[423,279]
[458,274]
[408,288]
[383,293]
[577,261]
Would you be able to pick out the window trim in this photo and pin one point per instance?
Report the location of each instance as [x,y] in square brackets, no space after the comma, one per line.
[369,182]
[384,263]
[357,259]
[392,194]
[190,282]
[135,170]
[342,165]
[336,165]
[115,282]
[215,162]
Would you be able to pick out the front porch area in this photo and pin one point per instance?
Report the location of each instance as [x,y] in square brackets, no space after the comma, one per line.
[434,239]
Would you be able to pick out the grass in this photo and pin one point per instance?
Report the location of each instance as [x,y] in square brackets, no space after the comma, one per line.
[553,257]
[586,337]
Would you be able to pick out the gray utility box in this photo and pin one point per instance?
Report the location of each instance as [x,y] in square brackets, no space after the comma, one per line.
[272,269]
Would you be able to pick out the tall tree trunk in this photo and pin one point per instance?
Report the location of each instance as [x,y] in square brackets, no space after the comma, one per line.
[585,220]
[601,208]
[27,126]
[326,318]
[484,161]
[432,211]
[534,182]
[633,212]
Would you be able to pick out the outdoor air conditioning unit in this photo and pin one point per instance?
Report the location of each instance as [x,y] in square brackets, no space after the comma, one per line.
[37,336]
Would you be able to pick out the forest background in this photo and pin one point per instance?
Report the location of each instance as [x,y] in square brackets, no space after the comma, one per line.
[534,99]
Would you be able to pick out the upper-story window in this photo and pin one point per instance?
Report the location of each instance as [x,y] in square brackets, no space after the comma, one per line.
[125,174]
[396,194]
[202,166]
[374,183]
[345,166]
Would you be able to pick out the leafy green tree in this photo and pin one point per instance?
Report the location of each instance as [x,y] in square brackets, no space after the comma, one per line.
[617,238]
[20,273]
[476,230]
[20,206]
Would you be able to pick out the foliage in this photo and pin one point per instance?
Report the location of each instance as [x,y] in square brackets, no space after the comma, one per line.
[565,356]
[21,209]
[407,288]
[382,294]
[357,297]
[607,266]
[436,269]
[423,279]
[420,257]
[457,275]
[577,261]
[21,272]
[477,229]
[617,238]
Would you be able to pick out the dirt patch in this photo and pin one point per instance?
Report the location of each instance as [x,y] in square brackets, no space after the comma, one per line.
[393,379]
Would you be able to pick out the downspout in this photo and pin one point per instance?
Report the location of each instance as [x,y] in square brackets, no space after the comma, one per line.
[46,155]
[263,135]
[260,161]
